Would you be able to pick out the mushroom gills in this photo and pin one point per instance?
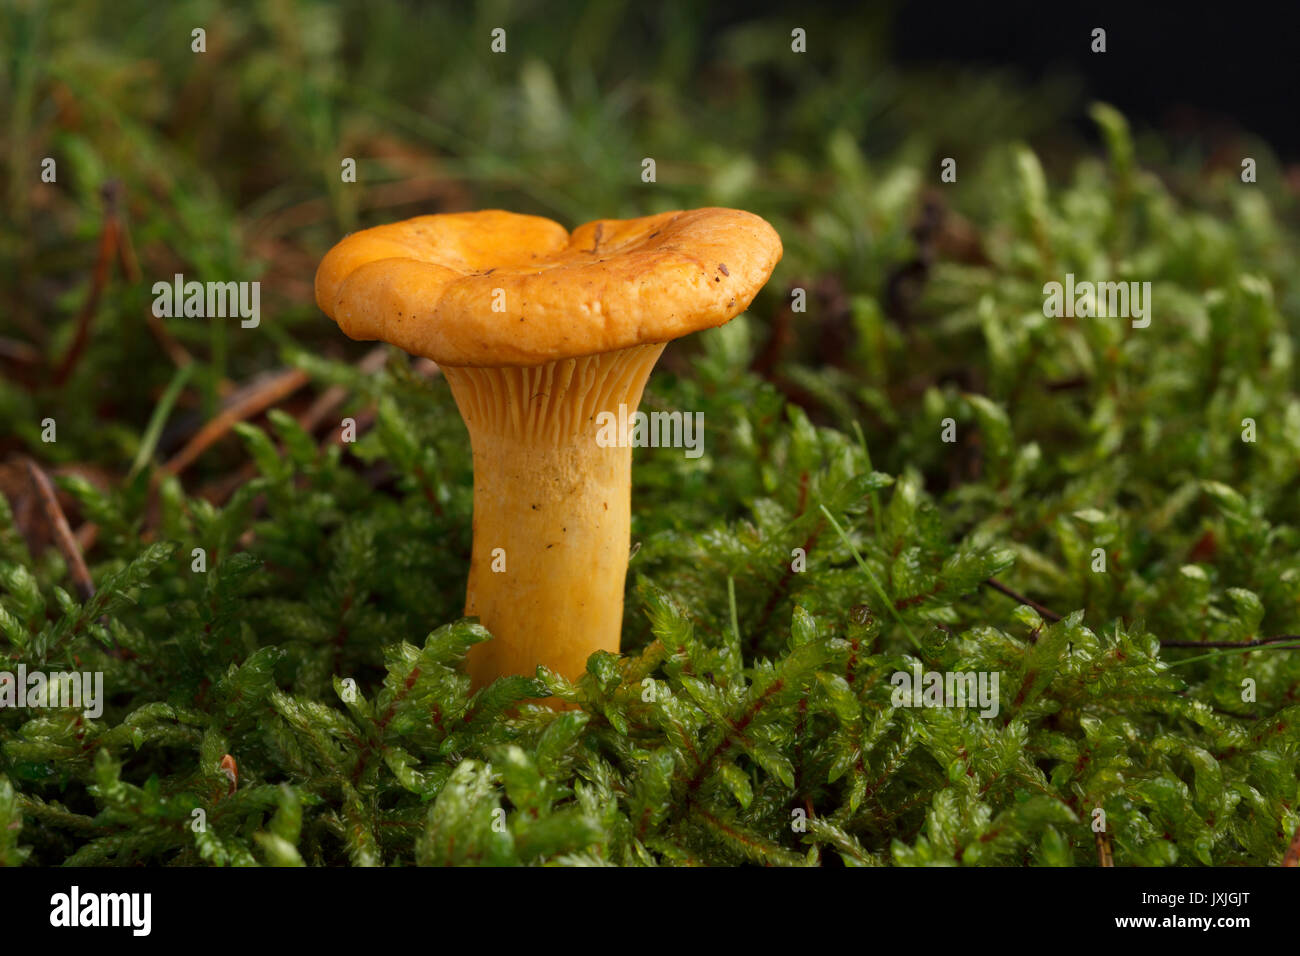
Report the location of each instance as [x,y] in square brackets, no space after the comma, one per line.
[552,508]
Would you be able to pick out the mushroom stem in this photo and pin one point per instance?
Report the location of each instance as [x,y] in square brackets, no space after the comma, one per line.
[552,507]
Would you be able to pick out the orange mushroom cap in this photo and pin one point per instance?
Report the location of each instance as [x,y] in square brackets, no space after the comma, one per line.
[496,288]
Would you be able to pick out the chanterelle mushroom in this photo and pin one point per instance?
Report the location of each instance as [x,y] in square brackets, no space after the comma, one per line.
[538,331]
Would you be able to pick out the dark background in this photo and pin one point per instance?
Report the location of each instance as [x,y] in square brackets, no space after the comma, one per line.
[1201,71]
[1187,69]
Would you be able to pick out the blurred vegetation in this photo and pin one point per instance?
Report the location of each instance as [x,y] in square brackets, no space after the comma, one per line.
[766,731]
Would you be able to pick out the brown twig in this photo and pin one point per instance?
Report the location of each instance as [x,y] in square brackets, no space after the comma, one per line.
[1043,610]
[334,396]
[319,410]
[1105,854]
[425,368]
[325,405]
[256,399]
[108,250]
[61,531]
